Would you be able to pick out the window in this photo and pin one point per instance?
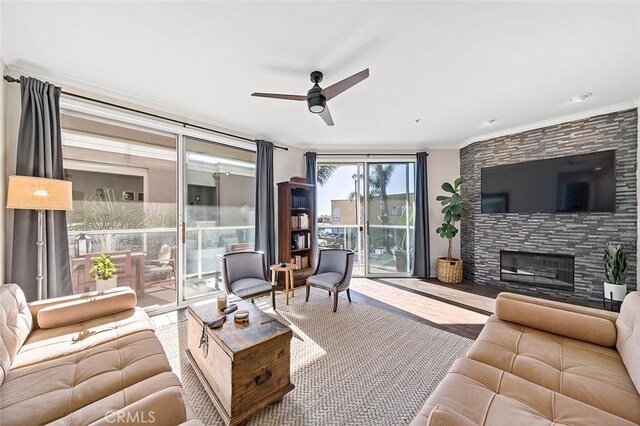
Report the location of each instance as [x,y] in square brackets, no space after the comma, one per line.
[397,210]
[336,213]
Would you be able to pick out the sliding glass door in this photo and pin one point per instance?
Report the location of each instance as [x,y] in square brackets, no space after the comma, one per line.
[124,205]
[340,209]
[389,218]
[218,217]
[368,204]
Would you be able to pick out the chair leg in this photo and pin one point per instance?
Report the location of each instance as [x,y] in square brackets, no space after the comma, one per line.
[329,294]
[335,301]
[349,295]
[273,299]
[306,299]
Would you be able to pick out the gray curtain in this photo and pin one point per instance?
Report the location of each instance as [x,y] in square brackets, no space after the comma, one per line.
[421,262]
[265,223]
[310,159]
[40,155]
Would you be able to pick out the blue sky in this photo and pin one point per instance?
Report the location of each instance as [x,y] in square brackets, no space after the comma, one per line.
[341,184]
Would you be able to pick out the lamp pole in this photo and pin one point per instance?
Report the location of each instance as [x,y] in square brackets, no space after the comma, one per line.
[40,244]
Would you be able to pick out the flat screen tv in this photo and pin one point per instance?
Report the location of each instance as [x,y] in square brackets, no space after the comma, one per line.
[577,183]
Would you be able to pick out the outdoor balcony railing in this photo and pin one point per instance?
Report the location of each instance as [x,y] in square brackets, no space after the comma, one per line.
[204,245]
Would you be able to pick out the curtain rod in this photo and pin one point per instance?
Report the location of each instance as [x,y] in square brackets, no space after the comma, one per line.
[10,79]
[364,155]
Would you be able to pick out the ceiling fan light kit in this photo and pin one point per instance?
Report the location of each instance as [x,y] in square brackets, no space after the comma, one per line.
[317,97]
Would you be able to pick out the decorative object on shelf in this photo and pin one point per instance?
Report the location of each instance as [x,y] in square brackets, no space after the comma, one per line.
[449,269]
[39,194]
[103,271]
[298,179]
[83,244]
[615,270]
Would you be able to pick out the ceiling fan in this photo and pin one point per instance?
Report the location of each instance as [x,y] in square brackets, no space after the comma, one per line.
[317,97]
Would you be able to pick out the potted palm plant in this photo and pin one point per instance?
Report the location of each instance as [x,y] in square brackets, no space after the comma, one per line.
[449,269]
[103,271]
[615,271]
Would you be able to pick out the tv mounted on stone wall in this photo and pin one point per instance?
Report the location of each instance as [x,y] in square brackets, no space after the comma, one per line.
[576,183]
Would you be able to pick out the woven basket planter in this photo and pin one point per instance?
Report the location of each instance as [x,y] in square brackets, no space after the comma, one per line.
[449,271]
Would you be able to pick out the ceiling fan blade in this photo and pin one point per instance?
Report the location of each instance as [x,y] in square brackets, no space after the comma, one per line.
[326,116]
[280,96]
[335,89]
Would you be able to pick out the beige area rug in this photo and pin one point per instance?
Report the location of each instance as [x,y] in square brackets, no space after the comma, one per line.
[359,366]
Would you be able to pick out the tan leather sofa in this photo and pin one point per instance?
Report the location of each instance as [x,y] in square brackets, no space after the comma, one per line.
[538,362]
[87,359]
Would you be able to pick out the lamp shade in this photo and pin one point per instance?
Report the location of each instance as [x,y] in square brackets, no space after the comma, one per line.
[34,193]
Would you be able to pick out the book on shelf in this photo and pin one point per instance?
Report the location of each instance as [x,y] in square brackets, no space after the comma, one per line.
[300,241]
[300,221]
[301,261]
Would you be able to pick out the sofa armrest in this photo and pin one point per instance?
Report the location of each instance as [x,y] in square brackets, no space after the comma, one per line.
[66,310]
[577,322]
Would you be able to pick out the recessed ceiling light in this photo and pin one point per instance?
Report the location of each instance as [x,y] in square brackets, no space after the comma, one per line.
[580,98]
[490,122]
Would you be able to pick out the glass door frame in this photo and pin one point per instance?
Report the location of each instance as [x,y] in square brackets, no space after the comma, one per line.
[117,116]
[366,160]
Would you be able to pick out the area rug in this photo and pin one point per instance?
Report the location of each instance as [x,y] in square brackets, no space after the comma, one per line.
[359,366]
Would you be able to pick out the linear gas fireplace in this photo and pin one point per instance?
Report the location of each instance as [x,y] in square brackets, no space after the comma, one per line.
[537,269]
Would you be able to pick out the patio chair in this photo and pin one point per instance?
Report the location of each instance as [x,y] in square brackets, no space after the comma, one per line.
[333,273]
[244,274]
[161,272]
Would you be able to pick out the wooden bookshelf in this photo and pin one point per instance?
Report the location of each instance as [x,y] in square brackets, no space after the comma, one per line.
[295,200]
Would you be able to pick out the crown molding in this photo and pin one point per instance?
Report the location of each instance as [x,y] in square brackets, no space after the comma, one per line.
[554,121]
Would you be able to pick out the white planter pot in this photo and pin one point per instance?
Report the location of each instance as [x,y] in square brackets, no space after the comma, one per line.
[619,291]
[102,285]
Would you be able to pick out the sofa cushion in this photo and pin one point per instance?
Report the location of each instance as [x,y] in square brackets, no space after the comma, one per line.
[50,390]
[156,400]
[484,395]
[46,344]
[580,370]
[578,322]
[15,325]
[628,344]
[75,311]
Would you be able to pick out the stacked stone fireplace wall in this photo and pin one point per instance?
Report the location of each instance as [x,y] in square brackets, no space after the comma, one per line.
[582,235]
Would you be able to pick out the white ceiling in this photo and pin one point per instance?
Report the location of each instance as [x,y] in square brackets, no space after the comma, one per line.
[453,65]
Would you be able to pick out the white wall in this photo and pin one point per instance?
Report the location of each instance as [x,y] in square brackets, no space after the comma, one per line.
[3,172]
[443,166]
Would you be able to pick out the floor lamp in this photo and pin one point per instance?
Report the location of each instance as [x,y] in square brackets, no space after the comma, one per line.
[39,194]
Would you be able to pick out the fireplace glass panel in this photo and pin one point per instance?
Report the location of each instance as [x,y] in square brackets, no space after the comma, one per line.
[537,269]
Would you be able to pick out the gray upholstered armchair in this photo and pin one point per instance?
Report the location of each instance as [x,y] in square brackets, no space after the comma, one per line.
[333,273]
[244,275]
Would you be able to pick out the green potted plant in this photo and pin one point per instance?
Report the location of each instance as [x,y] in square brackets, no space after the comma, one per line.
[449,269]
[103,271]
[615,271]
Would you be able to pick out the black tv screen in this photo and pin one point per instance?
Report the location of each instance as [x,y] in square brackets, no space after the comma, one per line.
[577,183]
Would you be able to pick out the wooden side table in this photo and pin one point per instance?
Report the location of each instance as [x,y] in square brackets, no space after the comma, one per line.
[288,270]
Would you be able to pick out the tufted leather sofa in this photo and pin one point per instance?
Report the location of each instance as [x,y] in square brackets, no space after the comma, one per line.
[87,359]
[542,362]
